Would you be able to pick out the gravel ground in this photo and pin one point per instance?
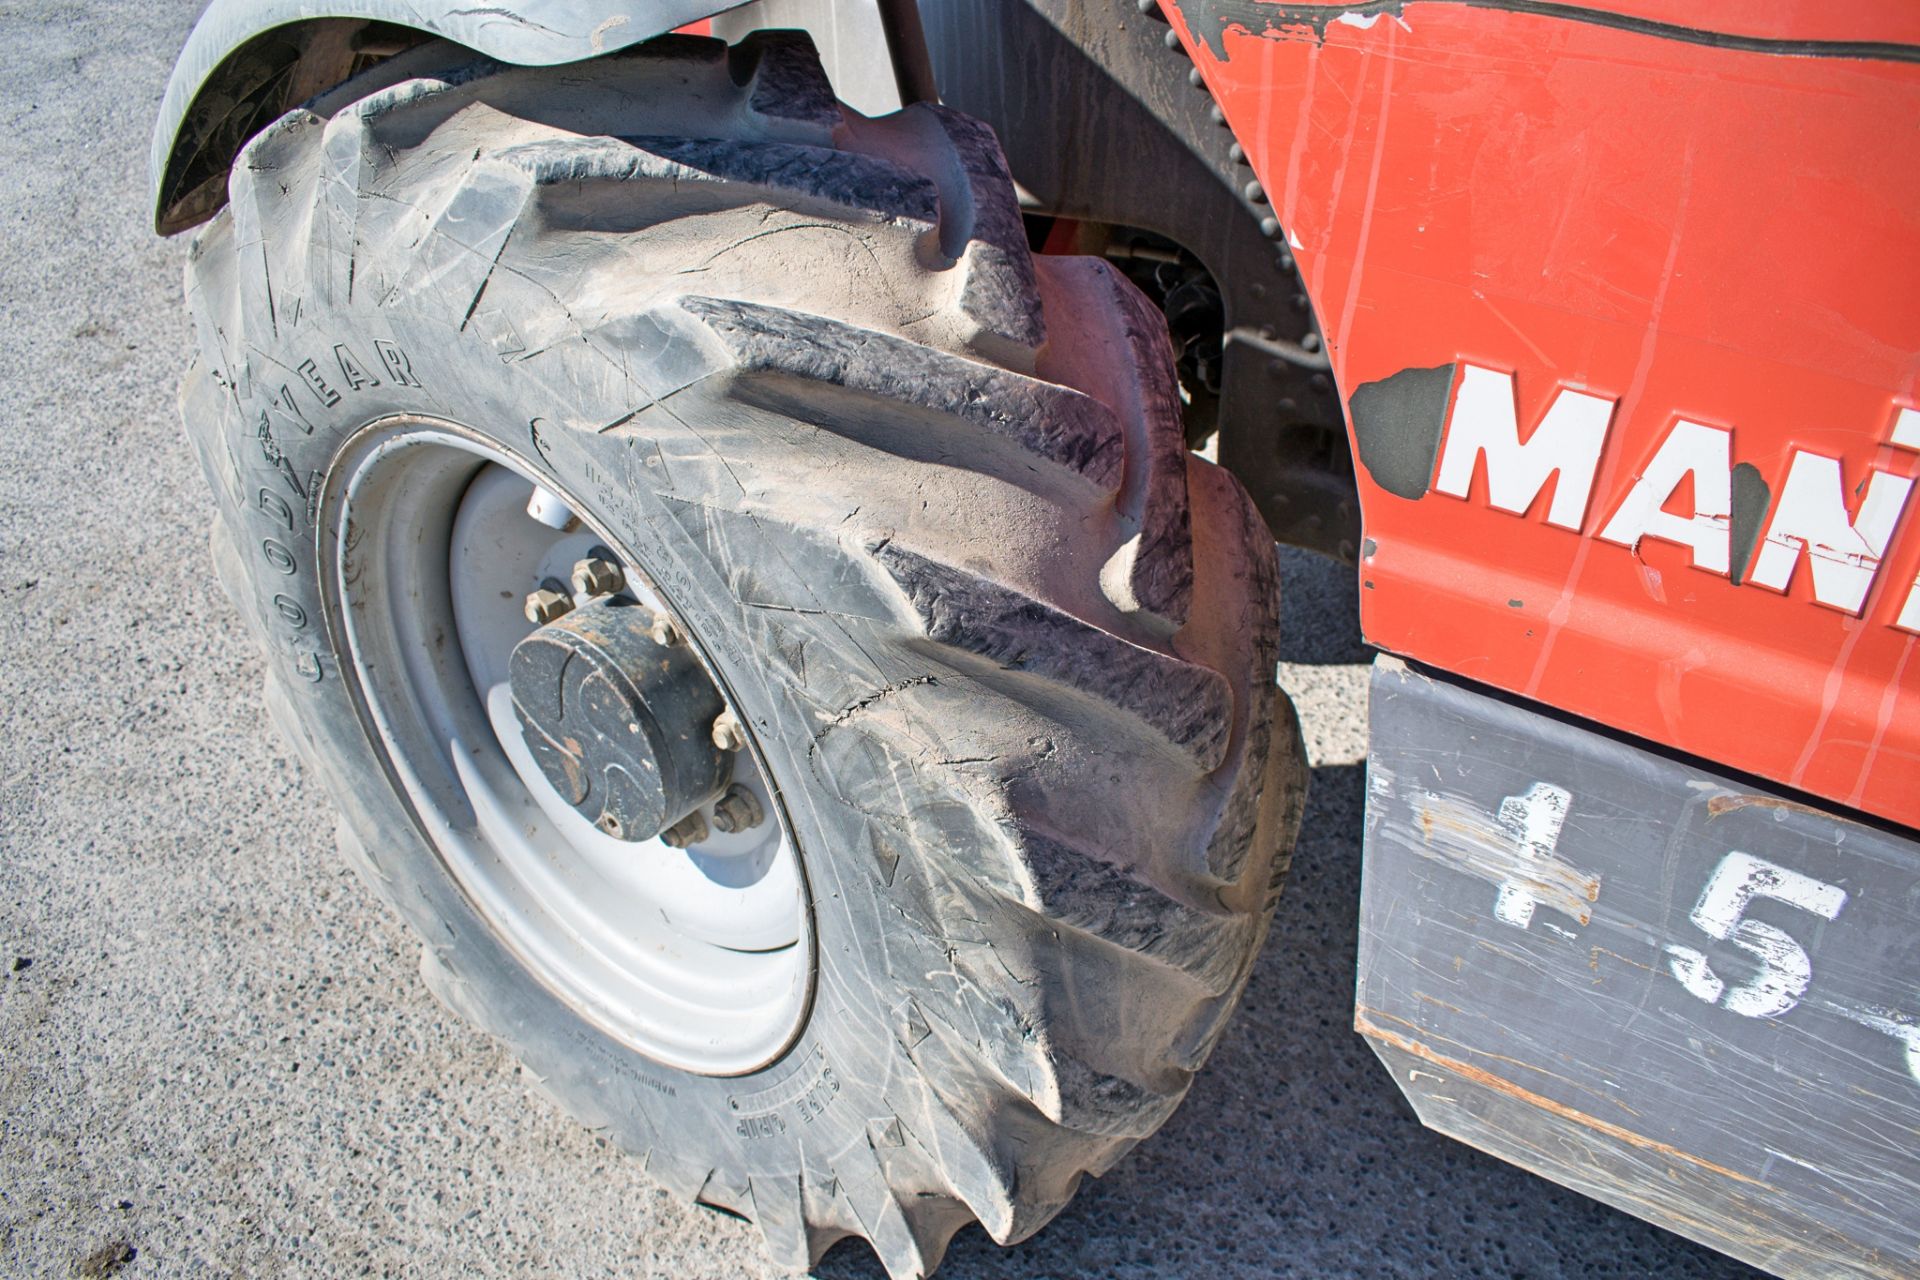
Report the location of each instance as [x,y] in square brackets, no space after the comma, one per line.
[216,1057]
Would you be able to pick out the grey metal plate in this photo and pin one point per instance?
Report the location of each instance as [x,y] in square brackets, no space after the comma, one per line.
[529,32]
[1695,1001]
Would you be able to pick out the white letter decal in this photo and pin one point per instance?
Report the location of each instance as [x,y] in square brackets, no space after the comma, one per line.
[1906,428]
[1706,453]
[1909,619]
[1906,435]
[1812,513]
[1567,440]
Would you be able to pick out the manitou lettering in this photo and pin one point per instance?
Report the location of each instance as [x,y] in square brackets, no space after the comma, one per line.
[1691,450]
[1906,428]
[1844,551]
[1906,435]
[1567,442]
[1683,494]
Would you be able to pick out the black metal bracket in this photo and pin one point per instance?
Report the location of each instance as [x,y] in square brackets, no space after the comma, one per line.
[907,50]
[1104,119]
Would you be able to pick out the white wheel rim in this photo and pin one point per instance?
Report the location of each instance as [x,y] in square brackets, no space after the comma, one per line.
[700,957]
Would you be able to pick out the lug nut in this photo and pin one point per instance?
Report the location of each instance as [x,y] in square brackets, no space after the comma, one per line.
[738,810]
[664,633]
[546,604]
[597,577]
[691,829]
[728,735]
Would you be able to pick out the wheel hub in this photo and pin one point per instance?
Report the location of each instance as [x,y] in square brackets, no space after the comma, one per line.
[619,723]
[578,765]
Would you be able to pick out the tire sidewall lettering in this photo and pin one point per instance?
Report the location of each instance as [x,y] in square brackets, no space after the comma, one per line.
[293,418]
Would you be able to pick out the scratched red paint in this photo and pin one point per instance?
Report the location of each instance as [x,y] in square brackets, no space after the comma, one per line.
[1729,236]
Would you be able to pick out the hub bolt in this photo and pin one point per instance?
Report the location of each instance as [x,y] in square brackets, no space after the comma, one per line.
[597,577]
[738,810]
[728,735]
[664,633]
[546,604]
[691,829]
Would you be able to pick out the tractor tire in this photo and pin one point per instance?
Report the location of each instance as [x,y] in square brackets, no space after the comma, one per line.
[1005,648]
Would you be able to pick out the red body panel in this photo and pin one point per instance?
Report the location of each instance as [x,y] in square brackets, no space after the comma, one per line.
[1725,235]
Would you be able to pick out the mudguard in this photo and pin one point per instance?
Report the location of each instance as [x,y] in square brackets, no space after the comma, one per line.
[1621,312]
[526,32]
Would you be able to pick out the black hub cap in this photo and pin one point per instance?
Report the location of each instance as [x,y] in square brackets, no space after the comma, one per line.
[621,725]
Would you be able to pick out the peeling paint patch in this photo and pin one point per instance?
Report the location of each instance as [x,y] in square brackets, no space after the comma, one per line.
[1210,20]
[1282,20]
[598,40]
[1721,805]
[1398,422]
[1751,498]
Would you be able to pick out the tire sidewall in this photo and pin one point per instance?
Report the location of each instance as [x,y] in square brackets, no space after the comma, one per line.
[342,374]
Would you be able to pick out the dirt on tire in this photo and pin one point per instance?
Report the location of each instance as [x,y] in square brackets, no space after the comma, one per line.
[1010,646]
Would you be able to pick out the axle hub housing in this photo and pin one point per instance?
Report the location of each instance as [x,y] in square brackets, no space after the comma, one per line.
[619,723]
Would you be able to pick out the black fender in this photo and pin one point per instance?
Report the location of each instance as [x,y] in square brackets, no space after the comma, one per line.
[1103,121]
[1100,119]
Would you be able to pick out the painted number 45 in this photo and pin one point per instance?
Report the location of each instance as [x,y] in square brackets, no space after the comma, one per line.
[1783,967]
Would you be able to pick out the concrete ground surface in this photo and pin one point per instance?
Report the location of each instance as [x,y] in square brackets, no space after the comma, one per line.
[216,1056]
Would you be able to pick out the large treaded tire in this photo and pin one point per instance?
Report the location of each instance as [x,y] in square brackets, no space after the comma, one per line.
[1009,647]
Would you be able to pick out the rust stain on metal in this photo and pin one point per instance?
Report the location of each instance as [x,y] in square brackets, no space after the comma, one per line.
[1720,806]
[1457,831]
[1593,960]
[1521,1063]
[1477,1075]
